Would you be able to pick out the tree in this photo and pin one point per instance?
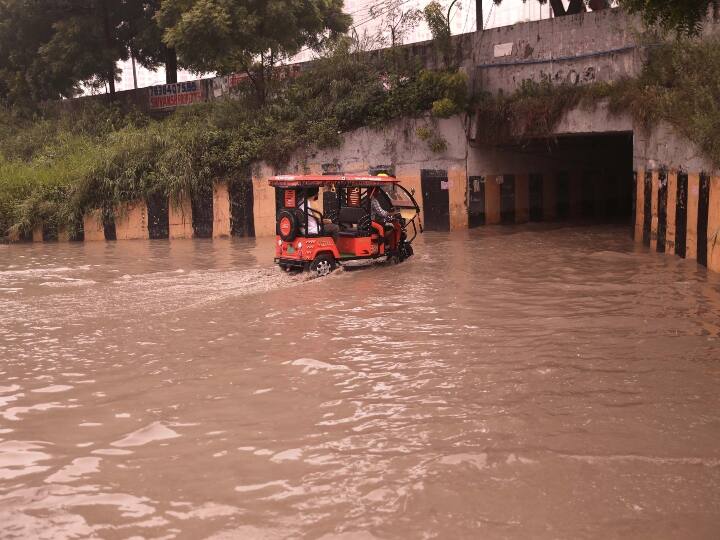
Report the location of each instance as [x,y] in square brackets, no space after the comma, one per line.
[396,22]
[146,44]
[230,36]
[49,48]
[685,17]
[438,20]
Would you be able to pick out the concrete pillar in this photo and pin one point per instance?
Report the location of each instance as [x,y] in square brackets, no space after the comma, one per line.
[714,225]
[549,197]
[37,233]
[522,198]
[180,218]
[264,202]
[576,185]
[221,210]
[692,215]
[671,208]
[654,210]
[131,221]
[639,204]
[492,200]
[93,226]
[457,180]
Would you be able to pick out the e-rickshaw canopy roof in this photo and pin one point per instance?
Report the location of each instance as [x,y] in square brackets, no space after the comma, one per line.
[342,180]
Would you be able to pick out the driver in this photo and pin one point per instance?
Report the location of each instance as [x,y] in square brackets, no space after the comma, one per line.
[377,212]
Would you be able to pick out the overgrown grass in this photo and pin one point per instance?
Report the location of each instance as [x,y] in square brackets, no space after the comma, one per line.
[58,164]
[679,84]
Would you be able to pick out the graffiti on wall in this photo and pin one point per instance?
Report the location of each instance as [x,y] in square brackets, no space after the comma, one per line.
[176,94]
[571,76]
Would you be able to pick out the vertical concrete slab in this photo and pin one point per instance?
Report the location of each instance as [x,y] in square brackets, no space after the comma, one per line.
[639,204]
[37,233]
[457,180]
[549,197]
[221,210]
[492,201]
[576,189]
[93,226]
[522,198]
[692,215]
[713,236]
[131,221]
[671,209]
[263,202]
[180,218]
[654,210]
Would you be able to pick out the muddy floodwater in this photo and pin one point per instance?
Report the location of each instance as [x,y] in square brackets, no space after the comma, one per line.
[529,382]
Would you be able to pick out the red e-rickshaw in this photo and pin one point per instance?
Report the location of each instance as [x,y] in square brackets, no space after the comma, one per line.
[310,238]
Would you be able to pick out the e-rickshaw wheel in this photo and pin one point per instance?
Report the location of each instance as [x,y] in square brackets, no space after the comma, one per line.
[323,264]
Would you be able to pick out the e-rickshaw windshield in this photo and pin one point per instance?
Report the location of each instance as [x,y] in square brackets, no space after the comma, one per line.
[399,196]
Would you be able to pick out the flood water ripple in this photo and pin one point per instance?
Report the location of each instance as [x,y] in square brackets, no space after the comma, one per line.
[522,382]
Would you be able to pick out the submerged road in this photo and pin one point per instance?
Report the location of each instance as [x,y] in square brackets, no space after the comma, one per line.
[527,382]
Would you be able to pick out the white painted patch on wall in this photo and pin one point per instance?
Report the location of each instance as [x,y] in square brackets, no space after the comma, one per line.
[503,49]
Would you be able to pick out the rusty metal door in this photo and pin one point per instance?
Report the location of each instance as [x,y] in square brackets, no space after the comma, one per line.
[563,195]
[202,212]
[242,218]
[436,199]
[158,216]
[681,215]
[536,197]
[507,199]
[703,214]
[476,201]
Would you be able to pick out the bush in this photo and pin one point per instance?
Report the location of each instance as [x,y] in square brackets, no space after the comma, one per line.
[57,165]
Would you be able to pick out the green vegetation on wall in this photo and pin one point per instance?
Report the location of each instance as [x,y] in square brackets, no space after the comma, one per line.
[67,160]
[679,84]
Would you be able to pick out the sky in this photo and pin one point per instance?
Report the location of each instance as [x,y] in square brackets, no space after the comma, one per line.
[462,21]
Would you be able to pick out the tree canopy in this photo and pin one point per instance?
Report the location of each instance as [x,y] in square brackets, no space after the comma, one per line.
[228,36]
[48,48]
[685,17]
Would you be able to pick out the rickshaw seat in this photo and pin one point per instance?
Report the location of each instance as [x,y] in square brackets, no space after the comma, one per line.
[352,215]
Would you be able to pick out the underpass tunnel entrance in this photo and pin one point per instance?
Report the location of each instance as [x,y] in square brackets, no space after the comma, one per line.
[586,178]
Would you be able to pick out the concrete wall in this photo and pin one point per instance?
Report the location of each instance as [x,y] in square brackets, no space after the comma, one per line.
[396,145]
[576,49]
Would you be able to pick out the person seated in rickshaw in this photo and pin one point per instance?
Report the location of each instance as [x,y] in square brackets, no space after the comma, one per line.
[328,228]
[379,215]
[312,222]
